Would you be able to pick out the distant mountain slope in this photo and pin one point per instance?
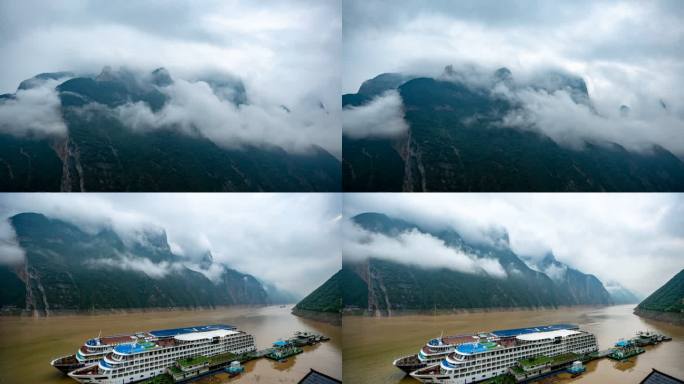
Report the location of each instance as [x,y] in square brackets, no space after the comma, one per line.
[455,143]
[325,302]
[69,269]
[100,153]
[620,294]
[666,303]
[382,285]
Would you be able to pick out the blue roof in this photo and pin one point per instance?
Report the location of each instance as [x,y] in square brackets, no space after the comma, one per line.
[623,343]
[280,343]
[128,349]
[541,328]
[179,331]
[471,348]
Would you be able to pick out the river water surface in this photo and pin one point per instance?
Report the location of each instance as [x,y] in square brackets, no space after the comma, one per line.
[372,343]
[28,344]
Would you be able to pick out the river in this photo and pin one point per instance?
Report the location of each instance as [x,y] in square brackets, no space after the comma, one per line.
[28,344]
[372,343]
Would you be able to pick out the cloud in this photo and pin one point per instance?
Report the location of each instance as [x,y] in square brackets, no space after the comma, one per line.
[33,112]
[251,233]
[381,117]
[138,264]
[623,56]
[557,116]
[417,249]
[196,107]
[11,252]
[607,235]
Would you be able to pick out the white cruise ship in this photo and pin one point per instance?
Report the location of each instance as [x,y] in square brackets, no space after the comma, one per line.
[497,351]
[433,352]
[90,352]
[154,351]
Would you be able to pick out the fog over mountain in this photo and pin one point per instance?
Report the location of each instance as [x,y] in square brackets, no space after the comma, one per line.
[284,55]
[633,67]
[252,234]
[616,238]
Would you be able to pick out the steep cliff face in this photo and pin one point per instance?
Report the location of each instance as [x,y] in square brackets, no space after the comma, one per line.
[66,268]
[457,142]
[381,286]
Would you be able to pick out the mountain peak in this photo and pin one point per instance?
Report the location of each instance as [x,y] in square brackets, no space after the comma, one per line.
[503,73]
[161,77]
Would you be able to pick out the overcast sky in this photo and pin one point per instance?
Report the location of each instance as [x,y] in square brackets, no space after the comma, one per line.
[617,237]
[628,52]
[287,53]
[290,240]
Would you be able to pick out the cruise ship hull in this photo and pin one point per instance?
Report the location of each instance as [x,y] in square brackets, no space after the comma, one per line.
[66,364]
[409,364]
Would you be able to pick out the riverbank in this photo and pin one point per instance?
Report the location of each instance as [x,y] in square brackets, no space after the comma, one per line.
[10,312]
[457,311]
[325,317]
[667,317]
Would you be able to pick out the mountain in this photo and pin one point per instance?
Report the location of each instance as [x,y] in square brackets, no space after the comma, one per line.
[666,303]
[455,142]
[382,286]
[67,268]
[583,288]
[100,153]
[325,302]
[620,294]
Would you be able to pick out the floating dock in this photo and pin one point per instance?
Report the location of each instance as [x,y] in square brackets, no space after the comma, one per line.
[540,366]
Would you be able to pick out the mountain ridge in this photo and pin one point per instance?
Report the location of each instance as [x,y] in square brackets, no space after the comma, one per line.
[381,286]
[456,142]
[67,269]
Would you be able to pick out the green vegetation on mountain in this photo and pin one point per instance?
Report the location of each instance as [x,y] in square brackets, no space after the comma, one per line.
[382,285]
[326,298]
[668,298]
[66,268]
[100,153]
[456,143]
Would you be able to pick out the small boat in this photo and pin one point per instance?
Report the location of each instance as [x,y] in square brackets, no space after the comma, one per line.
[235,369]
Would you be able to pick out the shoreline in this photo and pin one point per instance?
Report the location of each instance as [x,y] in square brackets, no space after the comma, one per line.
[323,317]
[123,311]
[462,311]
[673,318]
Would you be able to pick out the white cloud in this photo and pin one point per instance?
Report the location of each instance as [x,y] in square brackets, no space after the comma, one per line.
[33,112]
[137,264]
[194,107]
[417,249]
[381,117]
[557,116]
[11,252]
[608,235]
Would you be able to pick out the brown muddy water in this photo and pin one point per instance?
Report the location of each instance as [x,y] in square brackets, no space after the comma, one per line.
[28,344]
[372,343]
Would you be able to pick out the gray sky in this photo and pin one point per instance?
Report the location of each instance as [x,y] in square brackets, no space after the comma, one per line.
[628,52]
[291,240]
[287,53]
[620,237]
